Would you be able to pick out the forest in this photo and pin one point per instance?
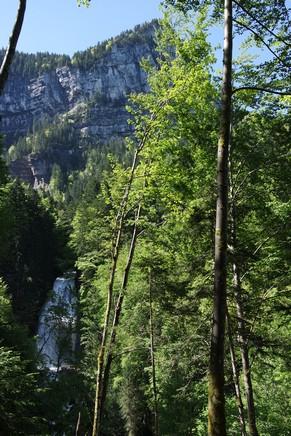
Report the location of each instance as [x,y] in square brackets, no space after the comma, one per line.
[179,239]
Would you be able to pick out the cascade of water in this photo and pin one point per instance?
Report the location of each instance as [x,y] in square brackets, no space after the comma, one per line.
[56,336]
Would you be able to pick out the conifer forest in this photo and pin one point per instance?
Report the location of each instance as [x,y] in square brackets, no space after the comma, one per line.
[145,274]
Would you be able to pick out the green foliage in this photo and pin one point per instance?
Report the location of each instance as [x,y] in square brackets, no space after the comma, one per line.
[46,137]
[174,182]
[18,378]
[33,64]
[140,34]
[17,387]
[175,126]
[83,2]
[172,221]
[184,5]
[3,169]
[31,401]
[30,251]
[262,195]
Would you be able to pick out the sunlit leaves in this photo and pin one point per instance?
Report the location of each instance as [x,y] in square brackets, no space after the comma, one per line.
[83,2]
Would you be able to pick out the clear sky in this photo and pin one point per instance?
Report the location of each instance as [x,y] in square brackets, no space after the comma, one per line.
[60,26]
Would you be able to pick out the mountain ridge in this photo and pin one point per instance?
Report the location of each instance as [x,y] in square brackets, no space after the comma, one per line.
[86,93]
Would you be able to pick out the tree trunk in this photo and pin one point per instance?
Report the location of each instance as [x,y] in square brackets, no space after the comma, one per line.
[216,401]
[8,58]
[115,254]
[242,334]
[78,424]
[153,363]
[243,342]
[103,377]
[248,387]
[242,338]
[235,373]
[101,372]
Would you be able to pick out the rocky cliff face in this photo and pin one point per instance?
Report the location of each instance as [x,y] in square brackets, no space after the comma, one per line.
[89,92]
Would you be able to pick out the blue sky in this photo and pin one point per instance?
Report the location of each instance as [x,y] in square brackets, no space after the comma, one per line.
[60,26]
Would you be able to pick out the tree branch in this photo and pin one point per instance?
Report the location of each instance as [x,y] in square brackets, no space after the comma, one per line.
[239,23]
[259,88]
[10,51]
[260,23]
[128,350]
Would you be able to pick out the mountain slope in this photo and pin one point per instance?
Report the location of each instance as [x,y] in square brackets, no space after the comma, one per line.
[54,106]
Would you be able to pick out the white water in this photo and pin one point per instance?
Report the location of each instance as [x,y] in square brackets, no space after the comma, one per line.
[56,335]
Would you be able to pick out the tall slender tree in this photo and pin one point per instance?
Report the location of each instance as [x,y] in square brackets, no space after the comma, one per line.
[216,409]
[242,335]
[103,362]
[10,51]
[153,358]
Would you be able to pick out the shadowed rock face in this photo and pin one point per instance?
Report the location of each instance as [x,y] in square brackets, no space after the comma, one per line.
[21,168]
[91,95]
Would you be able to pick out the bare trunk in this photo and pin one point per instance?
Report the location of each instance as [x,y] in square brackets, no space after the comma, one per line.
[242,337]
[248,389]
[153,363]
[242,334]
[235,373]
[103,377]
[216,401]
[8,58]
[78,424]
[101,372]
[115,254]
[118,306]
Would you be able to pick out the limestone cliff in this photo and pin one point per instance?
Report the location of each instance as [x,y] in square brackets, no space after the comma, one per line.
[87,92]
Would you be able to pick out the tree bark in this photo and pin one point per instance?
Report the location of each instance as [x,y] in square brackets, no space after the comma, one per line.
[78,424]
[153,363]
[101,372]
[9,54]
[243,342]
[115,254]
[216,401]
[235,373]
[247,372]
[118,309]
[104,370]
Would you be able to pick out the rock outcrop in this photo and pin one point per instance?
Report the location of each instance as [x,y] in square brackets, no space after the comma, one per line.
[89,92]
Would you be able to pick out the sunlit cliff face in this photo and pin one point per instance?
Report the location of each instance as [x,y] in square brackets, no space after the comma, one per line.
[88,91]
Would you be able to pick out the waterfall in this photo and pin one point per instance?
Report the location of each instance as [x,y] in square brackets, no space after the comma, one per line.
[56,335]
